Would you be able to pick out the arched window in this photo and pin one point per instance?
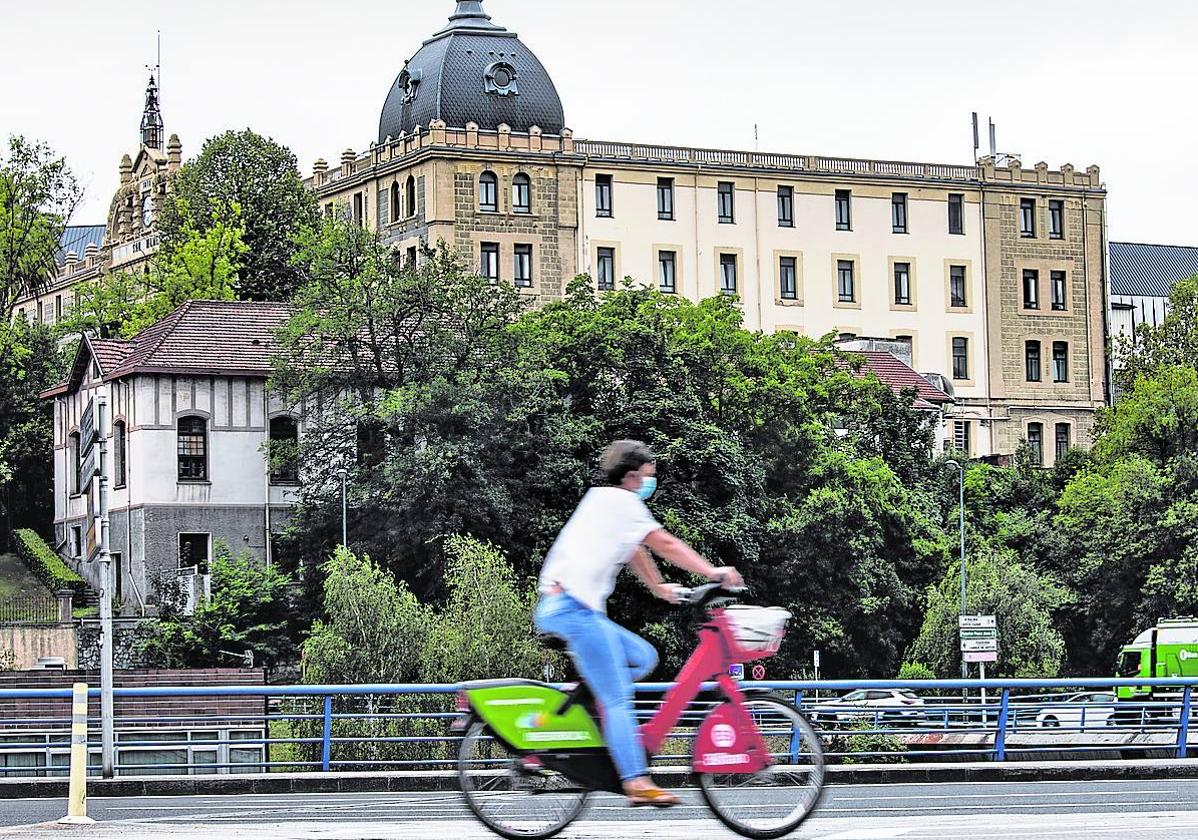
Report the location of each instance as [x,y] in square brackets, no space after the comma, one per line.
[396,207]
[411,190]
[119,462]
[193,449]
[521,194]
[284,450]
[488,193]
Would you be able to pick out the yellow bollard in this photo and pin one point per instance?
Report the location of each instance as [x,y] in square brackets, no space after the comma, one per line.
[77,792]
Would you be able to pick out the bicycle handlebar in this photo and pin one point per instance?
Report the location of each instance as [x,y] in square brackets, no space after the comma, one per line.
[700,596]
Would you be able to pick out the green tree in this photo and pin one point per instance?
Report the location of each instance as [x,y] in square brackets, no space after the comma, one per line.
[31,361]
[1173,342]
[38,195]
[1157,419]
[244,170]
[249,610]
[1023,602]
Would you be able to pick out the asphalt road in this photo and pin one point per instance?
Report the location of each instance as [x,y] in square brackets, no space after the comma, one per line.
[1144,810]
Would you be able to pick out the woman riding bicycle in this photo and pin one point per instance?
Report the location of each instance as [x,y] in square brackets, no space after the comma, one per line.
[611,528]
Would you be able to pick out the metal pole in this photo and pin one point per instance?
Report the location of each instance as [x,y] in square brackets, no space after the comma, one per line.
[77,786]
[961,527]
[106,641]
[344,509]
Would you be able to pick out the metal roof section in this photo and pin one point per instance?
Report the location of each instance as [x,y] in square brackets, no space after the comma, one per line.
[1139,270]
[76,238]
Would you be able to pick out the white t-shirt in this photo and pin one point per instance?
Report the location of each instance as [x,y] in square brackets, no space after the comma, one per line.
[607,526]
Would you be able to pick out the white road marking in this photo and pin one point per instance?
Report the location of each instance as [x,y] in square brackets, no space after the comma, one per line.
[868,834]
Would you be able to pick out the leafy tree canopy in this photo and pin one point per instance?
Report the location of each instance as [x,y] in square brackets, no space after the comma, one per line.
[1172,342]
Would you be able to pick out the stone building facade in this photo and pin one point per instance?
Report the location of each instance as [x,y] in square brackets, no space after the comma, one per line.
[932,255]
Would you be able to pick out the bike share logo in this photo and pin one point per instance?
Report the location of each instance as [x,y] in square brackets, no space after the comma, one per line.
[723,736]
[1187,655]
[532,725]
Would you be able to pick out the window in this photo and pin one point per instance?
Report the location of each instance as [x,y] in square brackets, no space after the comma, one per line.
[410,259]
[41,312]
[76,541]
[284,450]
[960,358]
[523,275]
[961,436]
[846,288]
[844,210]
[359,209]
[957,296]
[193,449]
[1031,289]
[606,269]
[488,261]
[786,207]
[488,193]
[1063,440]
[665,199]
[411,194]
[521,194]
[1060,361]
[1035,442]
[1058,291]
[396,206]
[57,308]
[902,284]
[727,203]
[727,274]
[1056,219]
[898,212]
[1031,361]
[193,552]
[119,459]
[956,213]
[667,271]
[603,196]
[788,278]
[1027,218]
[76,464]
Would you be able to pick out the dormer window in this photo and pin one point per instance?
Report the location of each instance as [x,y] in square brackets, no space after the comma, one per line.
[409,83]
[500,79]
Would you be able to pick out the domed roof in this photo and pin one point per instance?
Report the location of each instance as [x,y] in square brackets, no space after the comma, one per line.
[472,71]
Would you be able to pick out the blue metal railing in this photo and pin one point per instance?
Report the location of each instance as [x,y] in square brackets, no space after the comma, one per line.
[372,727]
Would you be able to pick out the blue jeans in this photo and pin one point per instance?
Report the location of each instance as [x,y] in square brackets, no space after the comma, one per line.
[610,659]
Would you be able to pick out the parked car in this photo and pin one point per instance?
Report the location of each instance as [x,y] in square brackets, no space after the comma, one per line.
[1087,710]
[866,705]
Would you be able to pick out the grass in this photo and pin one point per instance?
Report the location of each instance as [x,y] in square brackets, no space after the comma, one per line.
[17,579]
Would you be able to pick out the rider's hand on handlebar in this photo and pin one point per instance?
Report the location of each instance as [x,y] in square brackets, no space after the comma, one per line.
[728,577]
[671,593]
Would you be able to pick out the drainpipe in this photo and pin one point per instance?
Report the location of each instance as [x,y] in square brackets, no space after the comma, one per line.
[757,247]
[266,436]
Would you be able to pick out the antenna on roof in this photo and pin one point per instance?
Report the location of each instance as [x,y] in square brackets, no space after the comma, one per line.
[976,144]
[756,139]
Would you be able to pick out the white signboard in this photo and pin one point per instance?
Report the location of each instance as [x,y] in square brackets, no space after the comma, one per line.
[979,645]
[981,656]
[977,621]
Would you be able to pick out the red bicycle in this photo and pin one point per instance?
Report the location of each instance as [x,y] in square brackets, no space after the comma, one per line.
[531,755]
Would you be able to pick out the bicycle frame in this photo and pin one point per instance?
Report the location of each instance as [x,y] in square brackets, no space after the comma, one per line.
[743,747]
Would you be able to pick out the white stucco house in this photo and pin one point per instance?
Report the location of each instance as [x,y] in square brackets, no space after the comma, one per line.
[192,419]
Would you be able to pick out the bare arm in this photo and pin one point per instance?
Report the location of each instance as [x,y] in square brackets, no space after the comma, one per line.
[684,557]
[645,568]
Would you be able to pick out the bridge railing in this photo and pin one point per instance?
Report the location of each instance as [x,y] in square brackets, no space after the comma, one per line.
[263,729]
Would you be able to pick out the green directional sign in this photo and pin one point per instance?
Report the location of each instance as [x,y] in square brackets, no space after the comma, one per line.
[979,633]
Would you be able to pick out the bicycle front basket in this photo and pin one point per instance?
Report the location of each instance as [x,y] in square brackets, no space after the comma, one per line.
[758,628]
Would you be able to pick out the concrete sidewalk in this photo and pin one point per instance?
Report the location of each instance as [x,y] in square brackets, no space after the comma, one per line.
[433,780]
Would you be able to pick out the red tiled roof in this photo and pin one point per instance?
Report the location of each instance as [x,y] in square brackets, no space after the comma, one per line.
[900,376]
[203,336]
[109,352]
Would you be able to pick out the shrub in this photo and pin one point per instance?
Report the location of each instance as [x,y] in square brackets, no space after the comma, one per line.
[47,565]
[865,745]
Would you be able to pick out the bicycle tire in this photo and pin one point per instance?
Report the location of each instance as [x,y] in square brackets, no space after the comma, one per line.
[484,758]
[785,729]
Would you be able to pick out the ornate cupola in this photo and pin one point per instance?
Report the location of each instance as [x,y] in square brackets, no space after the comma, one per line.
[152,135]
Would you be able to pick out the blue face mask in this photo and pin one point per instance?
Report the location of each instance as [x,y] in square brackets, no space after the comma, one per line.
[648,488]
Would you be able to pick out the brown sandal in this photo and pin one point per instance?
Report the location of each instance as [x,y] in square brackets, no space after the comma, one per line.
[653,797]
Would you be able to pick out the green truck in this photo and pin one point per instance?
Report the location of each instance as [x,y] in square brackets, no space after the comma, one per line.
[1170,649]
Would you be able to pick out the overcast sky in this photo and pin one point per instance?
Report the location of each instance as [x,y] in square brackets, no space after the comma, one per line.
[1080,81]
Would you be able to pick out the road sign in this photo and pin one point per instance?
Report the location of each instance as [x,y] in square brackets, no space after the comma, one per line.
[981,656]
[979,645]
[87,468]
[759,672]
[737,672]
[979,633]
[87,429]
[815,659]
[969,622]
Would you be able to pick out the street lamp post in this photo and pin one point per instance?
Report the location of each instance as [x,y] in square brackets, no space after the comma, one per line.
[961,509]
[344,509]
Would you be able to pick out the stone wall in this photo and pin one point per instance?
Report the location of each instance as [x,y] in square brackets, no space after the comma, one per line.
[128,636]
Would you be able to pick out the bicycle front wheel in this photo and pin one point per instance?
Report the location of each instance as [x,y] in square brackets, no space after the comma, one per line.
[512,795]
[774,802]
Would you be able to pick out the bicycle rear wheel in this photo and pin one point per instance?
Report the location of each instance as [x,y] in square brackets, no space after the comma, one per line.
[510,795]
[775,801]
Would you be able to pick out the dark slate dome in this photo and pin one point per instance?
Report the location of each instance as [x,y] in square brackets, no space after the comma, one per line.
[472,71]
